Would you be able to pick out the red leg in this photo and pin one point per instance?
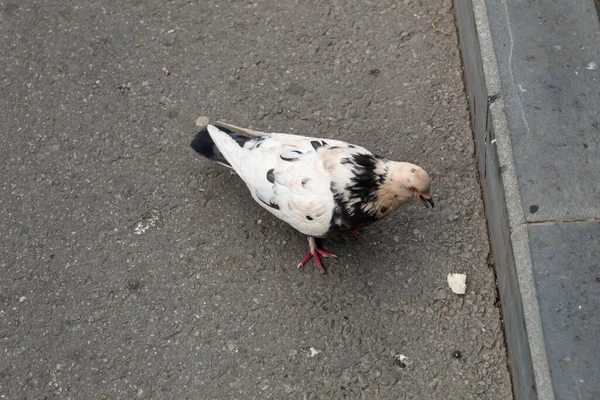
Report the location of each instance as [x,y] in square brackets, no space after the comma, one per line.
[317,253]
[355,233]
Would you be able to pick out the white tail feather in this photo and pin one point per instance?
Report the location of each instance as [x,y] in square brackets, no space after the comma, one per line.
[228,147]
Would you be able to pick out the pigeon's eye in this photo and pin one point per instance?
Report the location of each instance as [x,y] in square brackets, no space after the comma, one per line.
[412,189]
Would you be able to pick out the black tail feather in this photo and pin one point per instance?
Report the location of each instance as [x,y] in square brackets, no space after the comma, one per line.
[204,144]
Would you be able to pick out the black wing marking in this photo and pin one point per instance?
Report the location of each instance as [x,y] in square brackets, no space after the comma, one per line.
[255,143]
[271,175]
[269,203]
[290,155]
[317,143]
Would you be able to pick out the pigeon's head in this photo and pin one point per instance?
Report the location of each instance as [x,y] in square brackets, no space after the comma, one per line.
[412,183]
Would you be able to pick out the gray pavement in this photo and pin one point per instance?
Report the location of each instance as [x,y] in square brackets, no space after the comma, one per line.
[533,77]
[131,268]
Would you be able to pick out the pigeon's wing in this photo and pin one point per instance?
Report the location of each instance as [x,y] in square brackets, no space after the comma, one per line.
[290,176]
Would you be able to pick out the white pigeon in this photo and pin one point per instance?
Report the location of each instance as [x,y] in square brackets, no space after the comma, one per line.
[319,186]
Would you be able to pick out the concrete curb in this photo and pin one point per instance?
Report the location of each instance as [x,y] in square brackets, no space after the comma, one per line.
[506,223]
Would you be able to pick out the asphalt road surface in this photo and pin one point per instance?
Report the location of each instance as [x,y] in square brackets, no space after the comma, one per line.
[132,268]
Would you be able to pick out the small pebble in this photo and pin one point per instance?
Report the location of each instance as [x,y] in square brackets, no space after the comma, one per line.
[202,121]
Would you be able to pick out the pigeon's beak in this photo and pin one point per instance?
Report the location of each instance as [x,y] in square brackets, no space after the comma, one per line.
[427,200]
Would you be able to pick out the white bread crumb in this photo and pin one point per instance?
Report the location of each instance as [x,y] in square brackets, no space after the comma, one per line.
[458,283]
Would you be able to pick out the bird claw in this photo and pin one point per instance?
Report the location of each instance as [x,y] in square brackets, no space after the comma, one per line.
[317,253]
[325,254]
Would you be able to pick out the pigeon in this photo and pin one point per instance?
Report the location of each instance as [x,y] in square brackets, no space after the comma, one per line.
[321,187]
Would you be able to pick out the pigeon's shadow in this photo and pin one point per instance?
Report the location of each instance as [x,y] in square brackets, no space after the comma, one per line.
[383,251]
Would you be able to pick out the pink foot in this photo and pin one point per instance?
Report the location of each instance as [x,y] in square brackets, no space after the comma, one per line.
[317,253]
[355,233]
